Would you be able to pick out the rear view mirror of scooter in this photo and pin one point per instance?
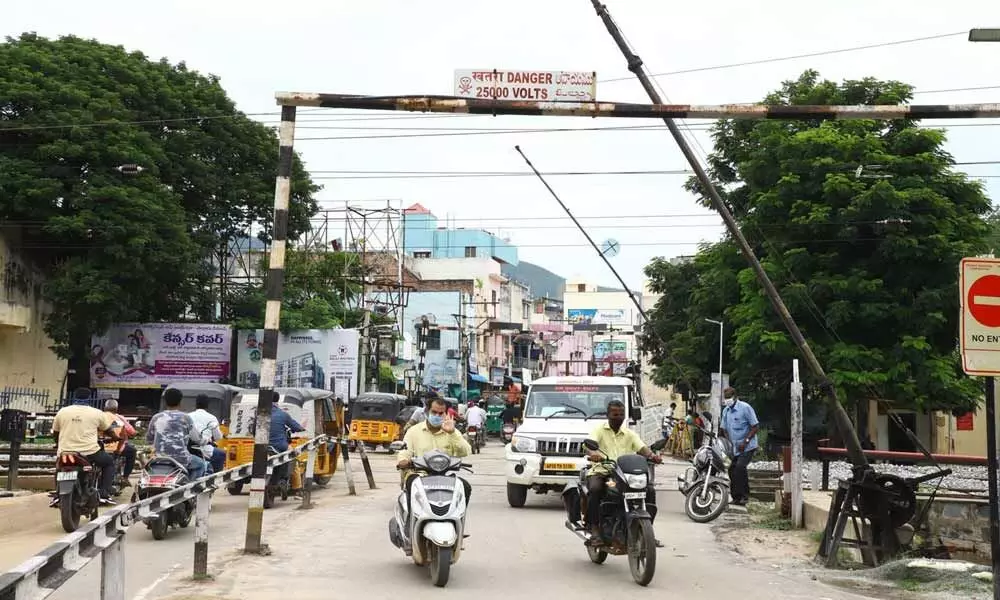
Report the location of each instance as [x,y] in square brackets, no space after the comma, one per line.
[591,445]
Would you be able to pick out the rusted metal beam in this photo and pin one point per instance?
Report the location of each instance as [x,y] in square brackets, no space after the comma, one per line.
[628,110]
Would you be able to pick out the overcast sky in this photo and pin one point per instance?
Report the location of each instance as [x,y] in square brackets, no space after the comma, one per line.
[407,47]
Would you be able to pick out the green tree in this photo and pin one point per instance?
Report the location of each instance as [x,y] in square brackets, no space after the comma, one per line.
[115,247]
[861,224]
[319,286]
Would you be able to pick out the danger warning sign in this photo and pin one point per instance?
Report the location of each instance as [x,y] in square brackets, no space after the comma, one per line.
[549,88]
[979,281]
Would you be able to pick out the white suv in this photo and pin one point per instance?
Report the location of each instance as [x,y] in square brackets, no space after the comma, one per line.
[547,451]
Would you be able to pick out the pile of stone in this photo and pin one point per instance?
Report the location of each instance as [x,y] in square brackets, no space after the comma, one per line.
[971,479]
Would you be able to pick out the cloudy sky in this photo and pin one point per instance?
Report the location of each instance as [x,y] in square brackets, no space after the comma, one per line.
[406,47]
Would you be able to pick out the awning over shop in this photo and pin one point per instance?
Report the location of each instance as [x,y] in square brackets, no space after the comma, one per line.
[478,378]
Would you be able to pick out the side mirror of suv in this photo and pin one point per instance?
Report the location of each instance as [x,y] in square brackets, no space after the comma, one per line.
[636,414]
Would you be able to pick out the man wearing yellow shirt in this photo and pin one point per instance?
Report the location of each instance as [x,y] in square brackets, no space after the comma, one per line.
[436,432]
[614,440]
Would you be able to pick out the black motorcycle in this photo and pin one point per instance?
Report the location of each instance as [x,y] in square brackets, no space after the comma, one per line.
[76,489]
[705,484]
[626,519]
[279,483]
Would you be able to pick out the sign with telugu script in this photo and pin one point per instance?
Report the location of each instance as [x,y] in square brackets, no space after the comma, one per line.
[551,88]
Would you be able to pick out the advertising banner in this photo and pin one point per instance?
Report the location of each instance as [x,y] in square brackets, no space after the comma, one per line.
[311,358]
[611,358]
[597,316]
[150,355]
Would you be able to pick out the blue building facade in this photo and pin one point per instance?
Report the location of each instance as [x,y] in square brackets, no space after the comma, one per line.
[424,238]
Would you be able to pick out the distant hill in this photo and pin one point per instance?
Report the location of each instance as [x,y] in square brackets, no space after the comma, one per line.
[543,283]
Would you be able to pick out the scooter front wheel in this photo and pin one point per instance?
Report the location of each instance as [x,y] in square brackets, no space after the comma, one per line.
[440,566]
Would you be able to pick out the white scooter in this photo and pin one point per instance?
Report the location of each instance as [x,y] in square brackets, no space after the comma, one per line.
[432,531]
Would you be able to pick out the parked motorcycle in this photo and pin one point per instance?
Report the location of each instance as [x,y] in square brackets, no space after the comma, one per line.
[163,474]
[429,519]
[76,490]
[507,433]
[705,484]
[626,521]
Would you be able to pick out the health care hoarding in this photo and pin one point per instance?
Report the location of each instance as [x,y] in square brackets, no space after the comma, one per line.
[312,358]
[551,88]
[150,355]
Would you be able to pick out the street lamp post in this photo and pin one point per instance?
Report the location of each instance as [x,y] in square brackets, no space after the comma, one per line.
[991,35]
[718,407]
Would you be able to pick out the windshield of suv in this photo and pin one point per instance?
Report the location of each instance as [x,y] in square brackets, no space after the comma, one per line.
[571,401]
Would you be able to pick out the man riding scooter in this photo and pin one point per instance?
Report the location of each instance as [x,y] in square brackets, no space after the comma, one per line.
[437,432]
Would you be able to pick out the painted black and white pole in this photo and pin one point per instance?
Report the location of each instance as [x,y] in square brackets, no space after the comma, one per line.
[203,507]
[274,289]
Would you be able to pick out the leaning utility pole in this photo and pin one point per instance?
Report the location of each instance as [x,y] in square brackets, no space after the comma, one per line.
[274,288]
[843,422]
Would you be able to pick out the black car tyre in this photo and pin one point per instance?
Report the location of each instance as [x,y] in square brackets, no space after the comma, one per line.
[517,495]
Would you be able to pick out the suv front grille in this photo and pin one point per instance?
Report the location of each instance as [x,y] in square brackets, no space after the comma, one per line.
[560,448]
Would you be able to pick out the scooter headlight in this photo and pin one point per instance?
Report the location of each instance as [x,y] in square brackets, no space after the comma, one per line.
[637,482]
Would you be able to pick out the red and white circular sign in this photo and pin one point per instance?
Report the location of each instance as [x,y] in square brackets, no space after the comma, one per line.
[983,300]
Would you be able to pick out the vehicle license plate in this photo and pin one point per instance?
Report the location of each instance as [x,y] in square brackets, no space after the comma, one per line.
[560,466]
[635,495]
[66,475]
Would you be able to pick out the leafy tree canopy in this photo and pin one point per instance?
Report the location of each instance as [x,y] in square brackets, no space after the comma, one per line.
[116,247]
[318,288]
[861,225]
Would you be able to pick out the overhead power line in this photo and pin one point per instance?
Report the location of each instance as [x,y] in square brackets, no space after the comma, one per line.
[775,59]
[31,246]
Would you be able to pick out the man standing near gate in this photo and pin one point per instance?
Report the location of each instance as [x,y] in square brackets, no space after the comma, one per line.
[740,425]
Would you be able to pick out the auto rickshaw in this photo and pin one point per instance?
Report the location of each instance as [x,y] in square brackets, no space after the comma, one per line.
[494,412]
[314,409]
[221,397]
[374,418]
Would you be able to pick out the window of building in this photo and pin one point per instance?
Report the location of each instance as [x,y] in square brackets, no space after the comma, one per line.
[494,296]
[421,255]
[470,252]
[525,311]
[581,287]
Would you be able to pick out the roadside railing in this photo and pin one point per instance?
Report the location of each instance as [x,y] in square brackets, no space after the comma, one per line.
[828,455]
[41,575]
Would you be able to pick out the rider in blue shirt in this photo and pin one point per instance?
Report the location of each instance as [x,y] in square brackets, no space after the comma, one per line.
[740,425]
[279,421]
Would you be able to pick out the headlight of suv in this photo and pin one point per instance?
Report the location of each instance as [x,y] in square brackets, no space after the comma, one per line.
[637,482]
[523,444]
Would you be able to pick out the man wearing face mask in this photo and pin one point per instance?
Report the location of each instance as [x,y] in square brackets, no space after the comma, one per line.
[436,432]
[614,440]
[739,423]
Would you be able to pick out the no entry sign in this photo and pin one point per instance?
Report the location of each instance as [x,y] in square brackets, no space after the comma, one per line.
[979,280]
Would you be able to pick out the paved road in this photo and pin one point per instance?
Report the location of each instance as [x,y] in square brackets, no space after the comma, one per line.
[340,549]
[150,562]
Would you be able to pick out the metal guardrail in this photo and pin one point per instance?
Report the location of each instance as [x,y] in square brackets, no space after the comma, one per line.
[41,575]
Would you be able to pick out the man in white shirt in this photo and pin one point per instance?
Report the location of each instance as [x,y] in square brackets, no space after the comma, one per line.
[476,417]
[207,426]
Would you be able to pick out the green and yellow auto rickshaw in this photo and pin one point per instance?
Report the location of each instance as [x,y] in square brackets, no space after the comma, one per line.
[494,411]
